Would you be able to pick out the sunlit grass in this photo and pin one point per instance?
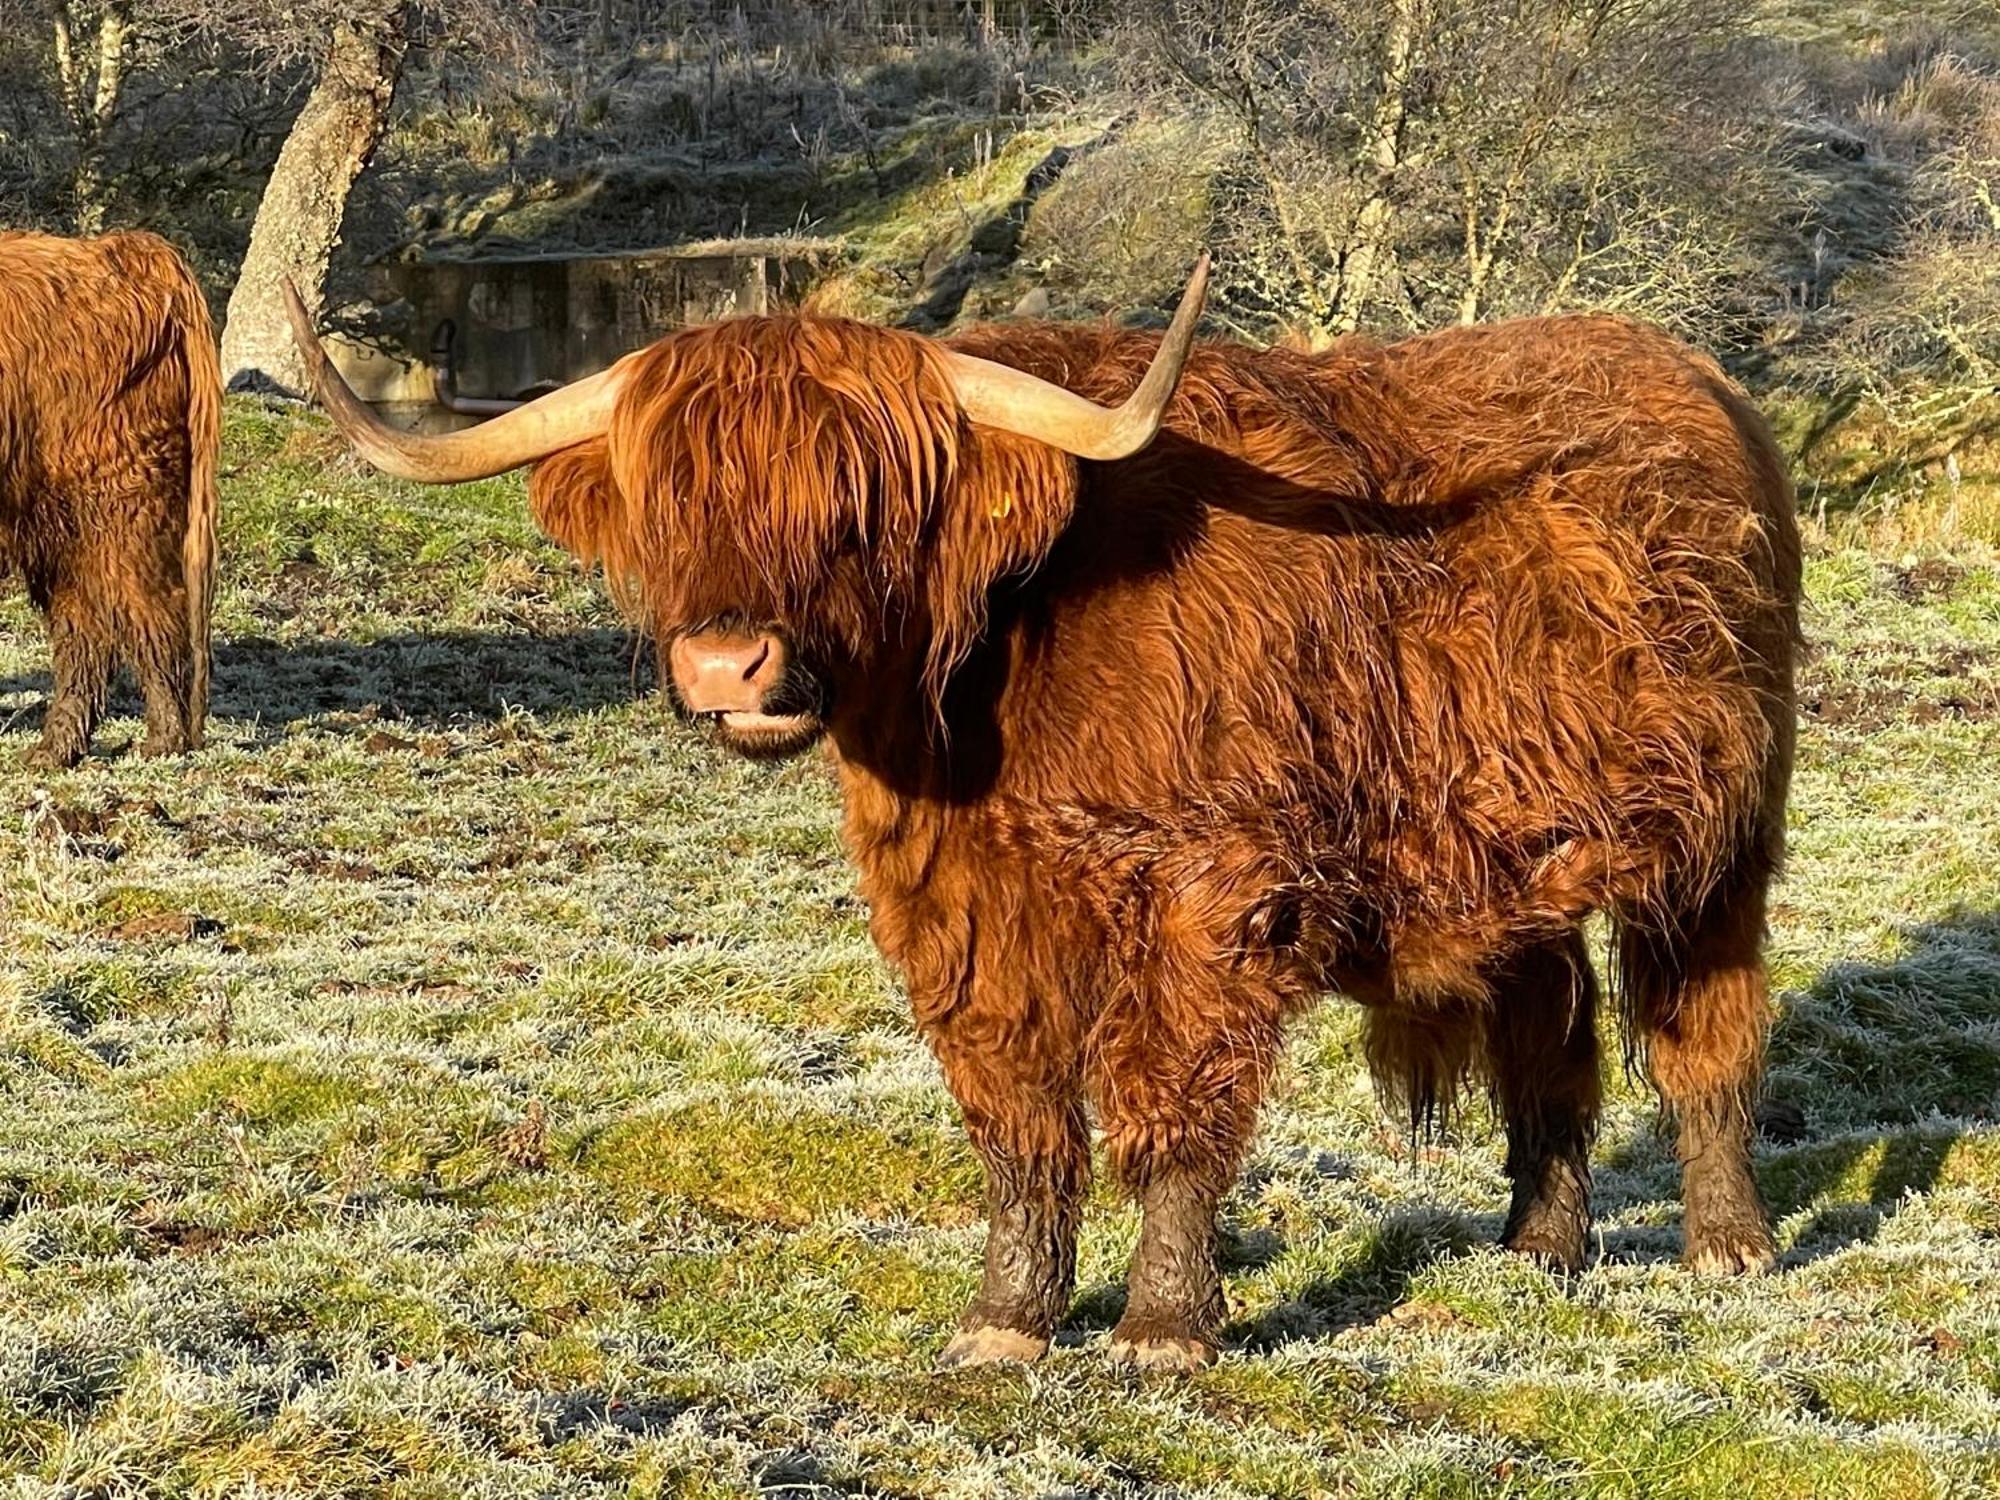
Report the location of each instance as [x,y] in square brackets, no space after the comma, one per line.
[459,1080]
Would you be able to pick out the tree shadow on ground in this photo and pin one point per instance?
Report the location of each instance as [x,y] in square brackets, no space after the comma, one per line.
[429,680]
[1886,1067]
[1878,1070]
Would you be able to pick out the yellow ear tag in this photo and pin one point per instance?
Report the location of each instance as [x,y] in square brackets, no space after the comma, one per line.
[1002,508]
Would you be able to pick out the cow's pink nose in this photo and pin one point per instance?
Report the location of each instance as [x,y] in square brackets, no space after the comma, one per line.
[718,672]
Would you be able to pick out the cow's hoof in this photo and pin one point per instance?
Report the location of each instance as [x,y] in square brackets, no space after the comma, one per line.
[1158,1355]
[1554,1247]
[48,758]
[988,1345]
[1730,1250]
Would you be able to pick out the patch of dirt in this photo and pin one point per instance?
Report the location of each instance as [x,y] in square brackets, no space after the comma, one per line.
[78,832]
[317,862]
[1878,706]
[525,1143]
[313,445]
[84,832]
[178,926]
[1921,582]
[382,742]
[1864,708]
[1907,697]
[1419,1313]
[1941,1340]
[185,1239]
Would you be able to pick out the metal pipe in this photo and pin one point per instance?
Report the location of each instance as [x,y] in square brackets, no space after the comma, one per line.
[445,380]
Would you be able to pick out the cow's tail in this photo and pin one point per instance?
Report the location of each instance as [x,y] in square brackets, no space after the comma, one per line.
[204,434]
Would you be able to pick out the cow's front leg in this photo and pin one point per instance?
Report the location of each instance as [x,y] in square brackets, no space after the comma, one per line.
[1179,1105]
[1174,1306]
[1024,1111]
[1032,1206]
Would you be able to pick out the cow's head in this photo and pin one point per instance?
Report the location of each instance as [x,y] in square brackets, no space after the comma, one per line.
[790,504]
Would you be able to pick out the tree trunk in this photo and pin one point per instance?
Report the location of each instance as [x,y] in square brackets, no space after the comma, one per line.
[1472,301]
[298,220]
[68,69]
[92,108]
[1381,163]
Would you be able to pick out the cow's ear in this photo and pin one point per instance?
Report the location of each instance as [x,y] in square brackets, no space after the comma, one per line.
[1010,500]
[574,499]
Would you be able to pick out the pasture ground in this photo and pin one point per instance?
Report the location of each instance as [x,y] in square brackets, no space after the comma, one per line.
[461,1081]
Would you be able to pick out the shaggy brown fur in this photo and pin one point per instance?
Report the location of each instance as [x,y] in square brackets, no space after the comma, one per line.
[110,419]
[1378,672]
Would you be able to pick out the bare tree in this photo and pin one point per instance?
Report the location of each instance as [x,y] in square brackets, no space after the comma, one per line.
[89,53]
[298,219]
[354,51]
[1320,97]
[351,51]
[91,89]
[1918,336]
[1399,158]
[1572,108]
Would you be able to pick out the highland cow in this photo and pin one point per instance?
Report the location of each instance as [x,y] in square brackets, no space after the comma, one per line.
[110,418]
[1373,671]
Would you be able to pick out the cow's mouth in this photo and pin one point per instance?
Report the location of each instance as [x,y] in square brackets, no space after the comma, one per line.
[770,726]
[763,736]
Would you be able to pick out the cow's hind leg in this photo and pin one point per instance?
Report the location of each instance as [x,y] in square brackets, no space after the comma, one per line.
[83,655]
[1023,1108]
[161,648]
[1542,1067]
[1697,993]
[1179,1080]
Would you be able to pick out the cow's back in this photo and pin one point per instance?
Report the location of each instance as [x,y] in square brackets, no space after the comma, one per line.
[1594,661]
[94,391]
[1494,627]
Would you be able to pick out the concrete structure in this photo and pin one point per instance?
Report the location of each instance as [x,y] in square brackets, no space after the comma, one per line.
[528,322]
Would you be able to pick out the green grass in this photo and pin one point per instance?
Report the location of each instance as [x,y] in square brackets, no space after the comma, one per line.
[460,1080]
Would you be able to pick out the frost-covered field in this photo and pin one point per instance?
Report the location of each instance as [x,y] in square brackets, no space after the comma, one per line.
[460,1081]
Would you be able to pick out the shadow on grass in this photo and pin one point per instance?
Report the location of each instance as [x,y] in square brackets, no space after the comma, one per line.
[1891,1065]
[1374,1283]
[1097,1309]
[430,680]
[433,678]
[794,1472]
[1877,1072]
[583,1412]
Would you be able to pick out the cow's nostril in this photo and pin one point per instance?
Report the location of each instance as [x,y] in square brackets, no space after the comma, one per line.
[723,672]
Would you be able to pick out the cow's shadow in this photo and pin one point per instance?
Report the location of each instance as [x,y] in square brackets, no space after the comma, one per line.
[1877,1071]
[434,680]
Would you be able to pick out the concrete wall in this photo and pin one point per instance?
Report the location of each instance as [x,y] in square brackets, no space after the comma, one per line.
[529,320]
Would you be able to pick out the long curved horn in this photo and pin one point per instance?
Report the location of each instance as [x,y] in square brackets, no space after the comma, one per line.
[529,432]
[996,395]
